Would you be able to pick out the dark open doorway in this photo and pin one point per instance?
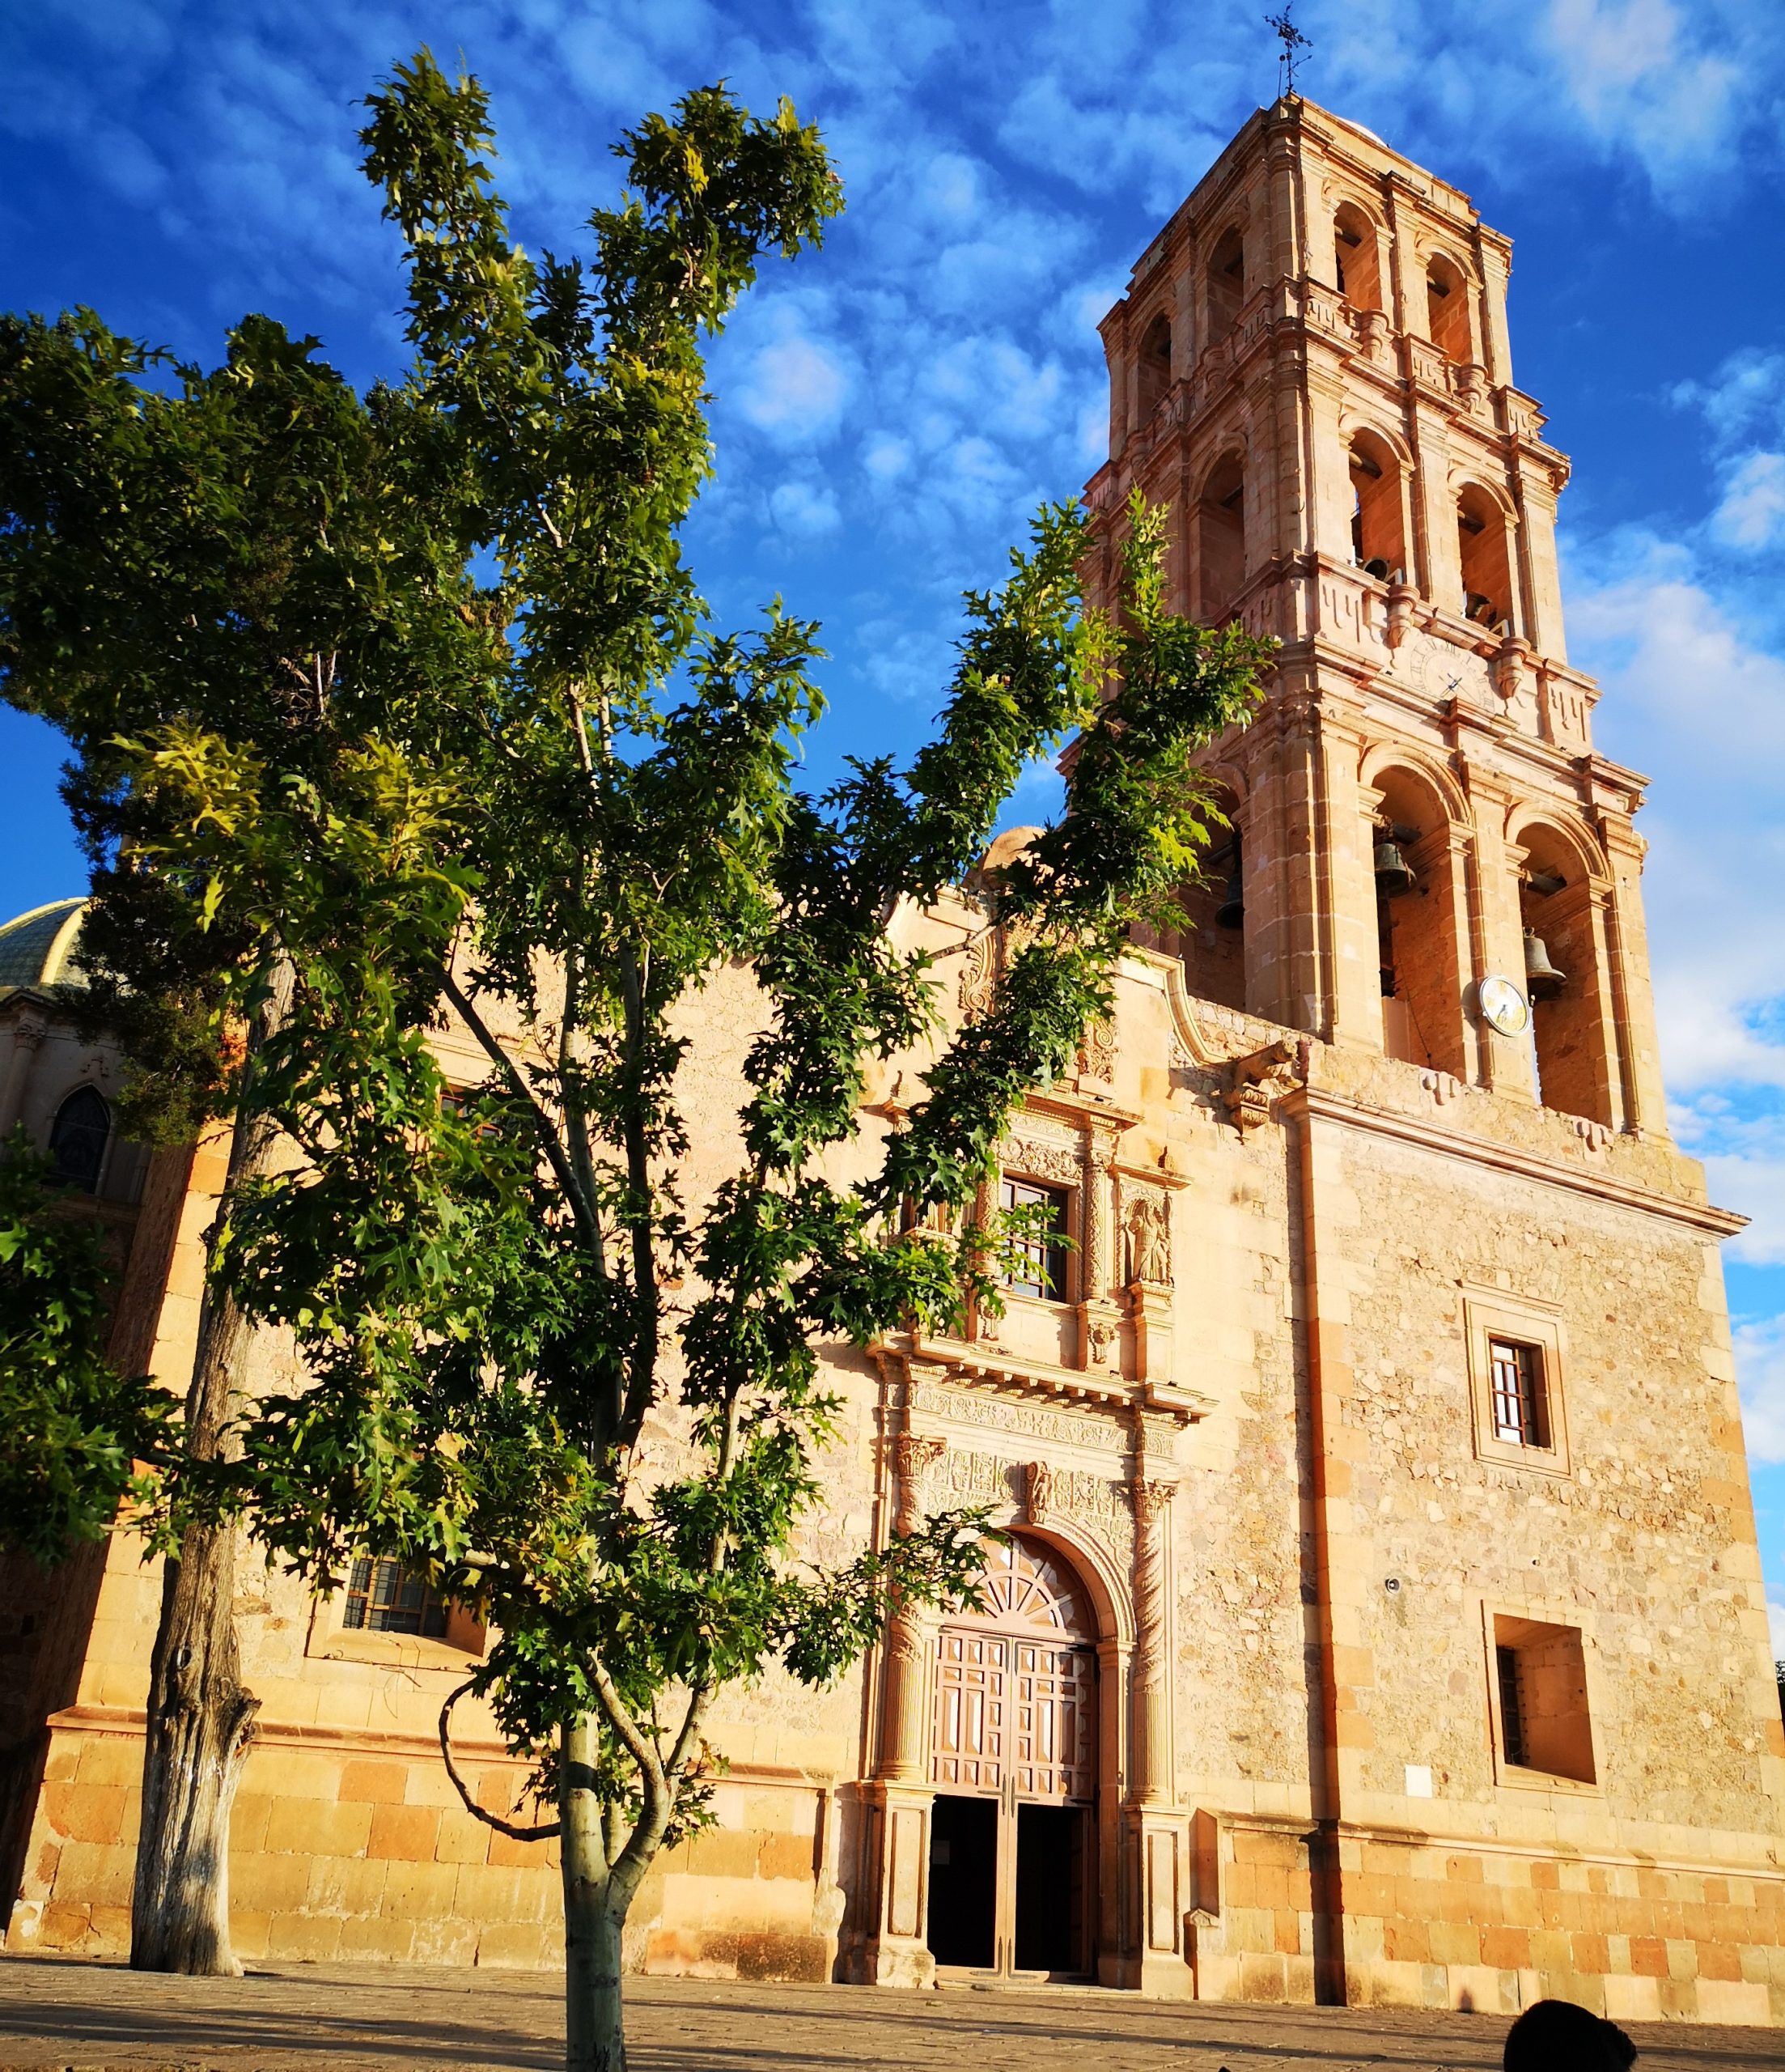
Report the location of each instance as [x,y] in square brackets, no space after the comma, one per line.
[1050,1883]
[963,1881]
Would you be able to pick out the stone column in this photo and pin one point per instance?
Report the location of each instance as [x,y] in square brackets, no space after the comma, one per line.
[28,1035]
[904,1735]
[1633,998]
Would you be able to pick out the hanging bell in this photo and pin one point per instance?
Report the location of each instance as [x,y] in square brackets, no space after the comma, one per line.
[1542,980]
[1393,877]
[1231,912]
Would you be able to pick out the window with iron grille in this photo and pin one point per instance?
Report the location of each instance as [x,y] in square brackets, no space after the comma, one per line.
[383,1597]
[1506,1662]
[1038,1264]
[1521,1413]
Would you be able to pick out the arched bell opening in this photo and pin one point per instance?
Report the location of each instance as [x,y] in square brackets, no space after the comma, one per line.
[1226,283]
[1212,943]
[1415,870]
[1484,552]
[1573,1055]
[1014,1826]
[1447,310]
[1154,365]
[1379,515]
[1357,257]
[1221,539]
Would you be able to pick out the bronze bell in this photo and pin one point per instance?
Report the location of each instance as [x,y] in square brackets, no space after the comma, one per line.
[1231,912]
[1542,980]
[1393,877]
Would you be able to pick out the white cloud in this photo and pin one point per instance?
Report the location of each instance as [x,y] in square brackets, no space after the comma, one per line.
[1751,515]
[804,511]
[1760,1368]
[1775,1622]
[794,389]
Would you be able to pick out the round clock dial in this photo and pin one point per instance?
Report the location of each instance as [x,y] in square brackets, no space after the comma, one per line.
[1503,1007]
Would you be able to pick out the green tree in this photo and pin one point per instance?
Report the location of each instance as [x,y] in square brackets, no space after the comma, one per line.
[498,771]
[77,1439]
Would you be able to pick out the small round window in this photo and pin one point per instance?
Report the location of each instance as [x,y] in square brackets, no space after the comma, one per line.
[77,1141]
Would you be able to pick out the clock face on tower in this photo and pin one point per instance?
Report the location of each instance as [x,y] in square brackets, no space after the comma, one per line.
[1504,1007]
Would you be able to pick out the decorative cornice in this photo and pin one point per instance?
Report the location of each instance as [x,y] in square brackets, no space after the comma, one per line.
[1320,1105]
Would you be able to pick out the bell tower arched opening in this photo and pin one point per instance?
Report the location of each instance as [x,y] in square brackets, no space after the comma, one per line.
[1013,1848]
[1226,283]
[1379,524]
[1414,867]
[1574,1053]
[1211,944]
[1446,311]
[1484,552]
[1154,367]
[1221,539]
[1358,264]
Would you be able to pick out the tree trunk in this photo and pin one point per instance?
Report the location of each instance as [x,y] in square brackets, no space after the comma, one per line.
[594,1915]
[201,1719]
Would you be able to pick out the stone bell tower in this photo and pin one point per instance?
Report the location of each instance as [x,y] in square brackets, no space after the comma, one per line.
[1312,370]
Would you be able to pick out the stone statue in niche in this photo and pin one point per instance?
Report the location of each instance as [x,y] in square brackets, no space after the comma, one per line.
[1150,1242]
[1037,1491]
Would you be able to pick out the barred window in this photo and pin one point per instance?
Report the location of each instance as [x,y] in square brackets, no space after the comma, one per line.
[1521,1405]
[1038,1264]
[383,1597]
[1506,1662]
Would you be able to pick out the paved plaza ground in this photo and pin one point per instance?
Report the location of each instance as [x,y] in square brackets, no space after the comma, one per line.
[315,2018]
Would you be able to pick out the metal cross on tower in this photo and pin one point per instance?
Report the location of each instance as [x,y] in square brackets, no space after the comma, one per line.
[1293,42]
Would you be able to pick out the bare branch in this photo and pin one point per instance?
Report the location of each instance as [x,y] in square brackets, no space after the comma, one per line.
[514,1831]
[586,1219]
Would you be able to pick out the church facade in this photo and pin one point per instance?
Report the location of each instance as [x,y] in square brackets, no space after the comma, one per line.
[1380,1618]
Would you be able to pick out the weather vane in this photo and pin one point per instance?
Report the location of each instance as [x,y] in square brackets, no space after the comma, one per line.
[1293,42]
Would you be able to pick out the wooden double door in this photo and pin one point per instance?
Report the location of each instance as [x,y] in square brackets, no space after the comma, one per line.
[1013,1759]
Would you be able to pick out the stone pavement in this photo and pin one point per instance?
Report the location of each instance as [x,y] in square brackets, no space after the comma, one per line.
[59,2013]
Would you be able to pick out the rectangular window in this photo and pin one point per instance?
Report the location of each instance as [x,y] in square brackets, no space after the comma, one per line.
[1038,1265]
[1539,1675]
[383,1598]
[1520,1407]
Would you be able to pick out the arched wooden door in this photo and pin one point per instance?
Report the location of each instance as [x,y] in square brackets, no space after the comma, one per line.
[1014,1761]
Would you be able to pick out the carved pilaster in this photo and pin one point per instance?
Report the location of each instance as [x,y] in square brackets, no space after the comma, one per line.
[1153,1755]
[904,1742]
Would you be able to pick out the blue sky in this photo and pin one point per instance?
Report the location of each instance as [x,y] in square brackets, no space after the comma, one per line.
[890,409]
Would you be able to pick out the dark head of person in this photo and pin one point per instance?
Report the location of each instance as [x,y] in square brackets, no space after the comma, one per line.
[1555,2036]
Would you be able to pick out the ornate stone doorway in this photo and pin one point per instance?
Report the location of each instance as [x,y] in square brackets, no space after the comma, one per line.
[1013,1760]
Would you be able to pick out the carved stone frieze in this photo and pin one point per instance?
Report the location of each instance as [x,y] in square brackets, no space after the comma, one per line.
[984,1412]
[1061,1163]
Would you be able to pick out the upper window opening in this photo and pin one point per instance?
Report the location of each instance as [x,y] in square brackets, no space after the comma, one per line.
[1446,311]
[1037,1265]
[1420,958]
[1355,254]
[1575,1067]
[1212,941]
[1483,551]
[1156,364]
[1378,516]
[77,1138]
[1227,284]
[1221,537]
[1519,1401]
